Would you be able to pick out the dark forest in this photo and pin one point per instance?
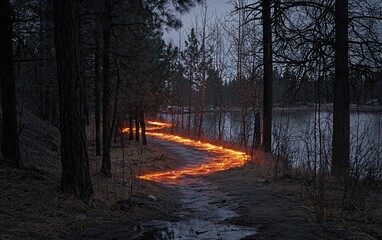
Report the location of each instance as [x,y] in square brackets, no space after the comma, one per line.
[260,123]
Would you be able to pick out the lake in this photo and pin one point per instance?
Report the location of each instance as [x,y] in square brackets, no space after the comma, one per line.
[301,136]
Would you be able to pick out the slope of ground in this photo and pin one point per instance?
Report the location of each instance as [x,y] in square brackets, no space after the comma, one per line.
[33,207]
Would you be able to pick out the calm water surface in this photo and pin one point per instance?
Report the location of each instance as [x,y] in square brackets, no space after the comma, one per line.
[301,136]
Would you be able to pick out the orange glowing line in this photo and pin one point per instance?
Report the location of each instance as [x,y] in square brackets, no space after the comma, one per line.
[160,124]
[156,126]
[226,159]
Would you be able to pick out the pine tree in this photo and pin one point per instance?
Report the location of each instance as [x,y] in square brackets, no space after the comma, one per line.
[9,144]
[74,157]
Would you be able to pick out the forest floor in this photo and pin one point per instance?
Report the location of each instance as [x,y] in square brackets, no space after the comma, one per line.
[238,203]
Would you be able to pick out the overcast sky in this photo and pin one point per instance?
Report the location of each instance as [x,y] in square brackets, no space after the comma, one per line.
[215,8]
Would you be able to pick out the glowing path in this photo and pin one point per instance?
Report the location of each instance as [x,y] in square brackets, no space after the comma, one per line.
[225,158]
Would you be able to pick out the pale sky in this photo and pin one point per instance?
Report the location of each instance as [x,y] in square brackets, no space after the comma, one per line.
[215,8]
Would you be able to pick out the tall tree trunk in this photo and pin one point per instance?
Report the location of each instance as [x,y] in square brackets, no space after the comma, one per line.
[196,122]
[257,135]
[189,103]
[115,120]
[341,92]
[42,68]
[240,80]
[202,107]
[143,127]
[221,115]
[203,68]
[86,104]
[116,129]
[46,105]
[182,120]
[267,62]
[221,123]
[106,137]
[131,127]
[244,140]
[97,109]
[10,155]
[136,125]
[74,157]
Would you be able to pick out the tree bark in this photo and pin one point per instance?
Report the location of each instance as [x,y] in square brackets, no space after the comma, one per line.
[257,137]
[240,80]
[189,103]
[10,142]
[106,137]
[131,127]
[143,127]
[220,124]
[136,125]
[203,69]
[97,109]
[115,120]
[74,157]
[200,127]
[267,75]
[341,92]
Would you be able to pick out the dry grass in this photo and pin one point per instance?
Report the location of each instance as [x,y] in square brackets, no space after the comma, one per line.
[359,210]
[33,207]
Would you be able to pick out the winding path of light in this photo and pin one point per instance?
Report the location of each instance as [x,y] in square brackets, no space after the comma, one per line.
[225,158]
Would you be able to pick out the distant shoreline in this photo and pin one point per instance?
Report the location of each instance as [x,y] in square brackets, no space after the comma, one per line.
[327,108]
[323,108]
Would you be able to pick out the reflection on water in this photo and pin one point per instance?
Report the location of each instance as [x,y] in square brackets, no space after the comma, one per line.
[299,136]
[196,229]
[205,215]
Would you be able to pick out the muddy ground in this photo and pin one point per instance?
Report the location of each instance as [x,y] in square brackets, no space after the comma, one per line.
[234,204]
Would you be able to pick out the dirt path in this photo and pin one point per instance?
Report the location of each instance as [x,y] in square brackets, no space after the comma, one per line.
[206,208]
[231,205]
[225,205]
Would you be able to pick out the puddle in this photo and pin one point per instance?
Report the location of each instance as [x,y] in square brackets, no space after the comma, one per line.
[205,209]
[194,229]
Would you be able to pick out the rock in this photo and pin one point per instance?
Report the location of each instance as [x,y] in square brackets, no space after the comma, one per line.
[79,217]
[217,202]
[138,228]
[123,205]
[261,180]
[152,197]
